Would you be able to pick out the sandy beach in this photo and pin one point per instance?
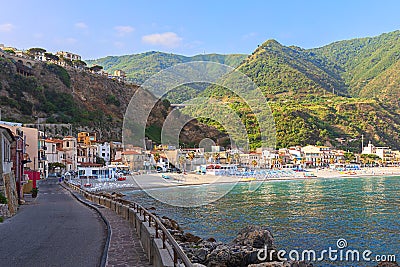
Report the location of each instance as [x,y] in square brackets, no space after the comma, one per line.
[158,180]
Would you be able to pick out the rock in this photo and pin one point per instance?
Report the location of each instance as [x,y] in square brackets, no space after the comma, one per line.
[191,238]
[388,264]
[198,265]
[255,236]
[219,257]
[211,239]
[170,223]
[201,254]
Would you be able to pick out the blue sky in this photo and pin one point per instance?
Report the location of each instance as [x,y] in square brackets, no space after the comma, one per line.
[96,29]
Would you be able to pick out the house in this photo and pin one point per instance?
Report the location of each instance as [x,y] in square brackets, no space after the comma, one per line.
[8,185]
[87,138]
[120,75]
[31,137]
[70,153]
[134,159]
[317,155]
[54,150]
[104,151]
[86,153]
[68,55]
[385,153]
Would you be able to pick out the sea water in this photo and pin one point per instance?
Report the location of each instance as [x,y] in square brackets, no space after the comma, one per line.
[311,214]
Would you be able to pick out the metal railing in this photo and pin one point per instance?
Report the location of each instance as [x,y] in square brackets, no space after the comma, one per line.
[178,255]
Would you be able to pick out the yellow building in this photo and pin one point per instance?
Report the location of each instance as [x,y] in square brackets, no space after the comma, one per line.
[87,138]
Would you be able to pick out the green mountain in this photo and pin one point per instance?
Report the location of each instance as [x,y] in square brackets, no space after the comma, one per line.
[329,95]
[139,67]
[369,67]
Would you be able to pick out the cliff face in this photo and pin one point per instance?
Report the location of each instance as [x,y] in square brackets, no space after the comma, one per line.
[90,102]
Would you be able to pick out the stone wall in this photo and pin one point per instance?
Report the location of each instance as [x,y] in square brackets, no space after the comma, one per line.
[10,190]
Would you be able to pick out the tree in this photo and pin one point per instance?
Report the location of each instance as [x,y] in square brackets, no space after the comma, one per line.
[35,51]
[96,68]
[349,156]
[100,160]
[54,165]
[51,57]
[66,61]
[79,64]
[9,51]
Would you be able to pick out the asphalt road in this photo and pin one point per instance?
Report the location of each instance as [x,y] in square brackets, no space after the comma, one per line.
[52,230]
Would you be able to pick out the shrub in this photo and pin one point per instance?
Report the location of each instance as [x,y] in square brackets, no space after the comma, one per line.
[3,199]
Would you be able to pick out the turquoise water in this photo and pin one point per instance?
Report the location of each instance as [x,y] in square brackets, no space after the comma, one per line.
[306,214]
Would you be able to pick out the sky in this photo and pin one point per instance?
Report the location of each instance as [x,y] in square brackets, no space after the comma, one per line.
[95,29]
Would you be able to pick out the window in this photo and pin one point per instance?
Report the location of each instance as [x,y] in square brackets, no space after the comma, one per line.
[6,150]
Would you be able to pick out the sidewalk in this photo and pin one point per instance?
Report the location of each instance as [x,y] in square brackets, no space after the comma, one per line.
[125,248]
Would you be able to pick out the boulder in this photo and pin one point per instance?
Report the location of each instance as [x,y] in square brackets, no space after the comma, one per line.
[254,236]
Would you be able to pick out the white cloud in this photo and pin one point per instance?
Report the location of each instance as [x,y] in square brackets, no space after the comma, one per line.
[81,25]
[6,27]
[167,39]
[123,30]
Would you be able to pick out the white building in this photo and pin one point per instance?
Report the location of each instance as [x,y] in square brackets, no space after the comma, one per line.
[104,151]
[68,55]
[54,151]
[385,153]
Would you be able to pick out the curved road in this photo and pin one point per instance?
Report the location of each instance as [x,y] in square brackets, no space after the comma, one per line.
[52,230]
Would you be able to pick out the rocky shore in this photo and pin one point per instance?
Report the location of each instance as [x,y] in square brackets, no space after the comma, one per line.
[243,251]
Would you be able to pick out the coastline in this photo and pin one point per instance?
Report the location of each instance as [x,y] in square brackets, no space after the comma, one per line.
[156,180]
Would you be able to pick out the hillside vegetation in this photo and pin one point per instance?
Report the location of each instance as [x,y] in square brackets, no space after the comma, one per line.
[328,96]
[139,67]
[87,101]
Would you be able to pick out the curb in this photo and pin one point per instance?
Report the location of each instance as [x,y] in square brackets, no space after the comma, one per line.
[107,244]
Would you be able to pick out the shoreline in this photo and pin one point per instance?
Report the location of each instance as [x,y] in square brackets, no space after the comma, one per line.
[156,181]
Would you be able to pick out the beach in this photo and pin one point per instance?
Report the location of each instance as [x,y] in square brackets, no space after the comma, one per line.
[164,180]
